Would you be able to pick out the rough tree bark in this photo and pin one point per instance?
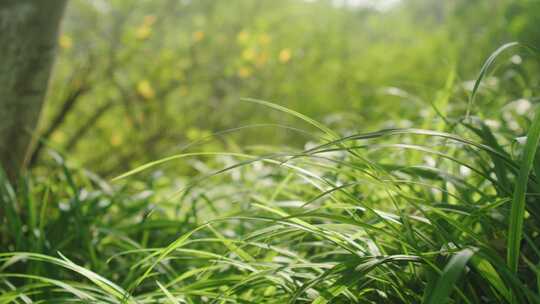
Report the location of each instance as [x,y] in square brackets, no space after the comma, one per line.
[28,36]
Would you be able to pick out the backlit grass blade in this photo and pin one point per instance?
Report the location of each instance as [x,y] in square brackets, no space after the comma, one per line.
[163,253]
[515,230]
[170,158]
[303,117]
[483,72]
[168,294]
[352,275]
[486,270]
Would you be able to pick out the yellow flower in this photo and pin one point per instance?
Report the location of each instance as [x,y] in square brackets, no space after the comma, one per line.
[143,32]
[145,29]
[116,140]
[264,39]
[244,72]
[248,54]
[65,42]
[145,89]
[59,137]
[285,55]
[198,36]
[243,36]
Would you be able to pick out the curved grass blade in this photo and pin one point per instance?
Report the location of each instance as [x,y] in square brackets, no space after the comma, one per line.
[170,158]
[483,72]
[303,117]
[165,252]
[350,277]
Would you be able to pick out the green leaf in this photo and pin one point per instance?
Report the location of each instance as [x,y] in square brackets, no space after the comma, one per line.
[449,276]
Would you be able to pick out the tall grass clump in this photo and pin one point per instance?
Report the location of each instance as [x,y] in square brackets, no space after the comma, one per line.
[446,213]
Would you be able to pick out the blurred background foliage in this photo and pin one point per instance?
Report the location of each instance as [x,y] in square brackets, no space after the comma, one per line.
[138,80]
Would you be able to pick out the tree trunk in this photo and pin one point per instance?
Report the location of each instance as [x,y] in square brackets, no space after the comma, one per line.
[28,38]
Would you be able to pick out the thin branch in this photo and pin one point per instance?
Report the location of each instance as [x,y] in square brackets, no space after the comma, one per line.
[90,122]
[58,120]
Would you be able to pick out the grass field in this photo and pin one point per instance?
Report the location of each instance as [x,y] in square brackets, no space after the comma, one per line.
[446,211]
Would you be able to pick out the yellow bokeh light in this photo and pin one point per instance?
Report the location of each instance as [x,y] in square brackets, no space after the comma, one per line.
[264,39]
[59,136]
[198,36]
[243,37]
[143,32]
[285,55]
[116,139]
[65,42]
[144,88]
[244,72]
[249,54]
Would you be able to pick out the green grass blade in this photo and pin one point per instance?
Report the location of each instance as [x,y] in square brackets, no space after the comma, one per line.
[483,73]
[168,294]
[165,252]
[515,229]
[449,276]
[486,270]
[303,117]
[170,158]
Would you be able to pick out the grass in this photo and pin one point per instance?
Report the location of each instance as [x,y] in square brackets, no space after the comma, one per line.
[448,215]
